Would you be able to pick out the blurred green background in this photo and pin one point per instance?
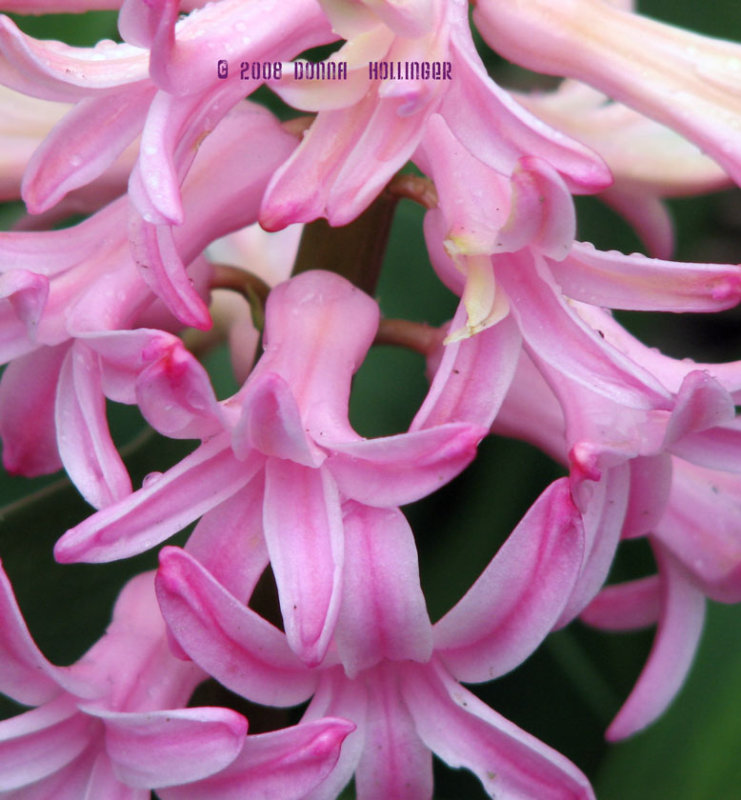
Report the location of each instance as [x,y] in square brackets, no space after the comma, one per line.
[569,690]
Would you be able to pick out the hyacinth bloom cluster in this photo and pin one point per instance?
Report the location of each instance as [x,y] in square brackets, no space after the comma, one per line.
[170,213]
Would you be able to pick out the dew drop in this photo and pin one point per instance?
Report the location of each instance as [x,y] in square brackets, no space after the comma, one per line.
[151,479]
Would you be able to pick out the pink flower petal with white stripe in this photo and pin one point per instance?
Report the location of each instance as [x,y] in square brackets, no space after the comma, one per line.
[304,533]
[603,509]
[395,761]
[464,732]
[271,423]
[175,395]
[615,280]
[159,509]
[154,251]
[244,652]
[395,470]
[691,88]
[701,529]
[52,252]
[560,337]
[285,764]
[85,444]
[517,600]
[25,675]
[383,613]
[228,541]
[163,748]
[39,742]
[475,106]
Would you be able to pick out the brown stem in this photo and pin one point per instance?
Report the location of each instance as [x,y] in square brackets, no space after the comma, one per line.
[356,250]
[414,335]
[252,287]
[414,187]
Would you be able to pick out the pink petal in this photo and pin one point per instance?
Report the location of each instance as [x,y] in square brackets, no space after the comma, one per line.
[175,396]
[25,675]
[474,199]
[701,403]
[173,128]
[395,762]
[24,298]
[73,781]
[304,533]
[518,598]
[718,448]
[381,147]
[85,444]
[650,483]
[395,470]
[475,107]
[473,376]
[69,158]
[164,506]
[279,36]
[51,252]
[383,613]
[559,336]
[39,742]
[690,88]
[153,249]
[55,71]
[304,188]
[677,637]
[531,411]
[318,328]
[636,282]
[102,782]
[27,391]
[335,696]
[271,423]
[542,212]
[124,354]
[242,651]
[626,606]
[700,527]
[149,24]
[229,543]
[464,732]
[285,764]
[164,748]
[603,513]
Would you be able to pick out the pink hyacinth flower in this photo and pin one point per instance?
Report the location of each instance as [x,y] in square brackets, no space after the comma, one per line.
[493,229]
[285,441]
[392,673]
[114,723]
[368,127]
[692,88]
[112,82]
[648,161]
[628,482]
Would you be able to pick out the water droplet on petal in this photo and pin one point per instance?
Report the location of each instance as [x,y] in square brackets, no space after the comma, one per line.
[151,479]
